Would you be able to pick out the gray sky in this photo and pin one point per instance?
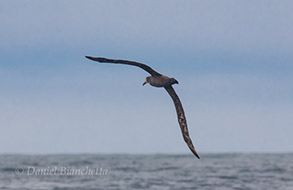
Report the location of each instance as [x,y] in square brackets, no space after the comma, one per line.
[233,60]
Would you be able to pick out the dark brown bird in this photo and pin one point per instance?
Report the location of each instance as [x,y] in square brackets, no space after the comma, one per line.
[158,80]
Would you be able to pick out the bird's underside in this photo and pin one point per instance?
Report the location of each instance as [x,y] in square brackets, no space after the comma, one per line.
[158,80]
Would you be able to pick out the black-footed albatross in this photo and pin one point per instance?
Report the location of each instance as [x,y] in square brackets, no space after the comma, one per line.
[158,80]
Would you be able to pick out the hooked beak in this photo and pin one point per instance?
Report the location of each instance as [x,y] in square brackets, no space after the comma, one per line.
[144,83]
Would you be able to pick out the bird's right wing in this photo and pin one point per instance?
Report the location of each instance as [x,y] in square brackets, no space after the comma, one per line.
[181,119]
[119,61]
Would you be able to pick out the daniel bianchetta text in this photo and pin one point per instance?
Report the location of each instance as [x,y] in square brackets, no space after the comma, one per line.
[61,171]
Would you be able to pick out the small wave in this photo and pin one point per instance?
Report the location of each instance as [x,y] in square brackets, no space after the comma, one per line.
[8,169]
[127,169]
[80,163]
[227,177]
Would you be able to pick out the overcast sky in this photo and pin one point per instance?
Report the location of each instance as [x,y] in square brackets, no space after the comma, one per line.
[233,61]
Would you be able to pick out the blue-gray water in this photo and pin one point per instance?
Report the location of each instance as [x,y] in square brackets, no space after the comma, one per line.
[125,172]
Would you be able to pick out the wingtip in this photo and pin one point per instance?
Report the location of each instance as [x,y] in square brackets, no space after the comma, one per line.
[196,154]
[89,57]
[98,59]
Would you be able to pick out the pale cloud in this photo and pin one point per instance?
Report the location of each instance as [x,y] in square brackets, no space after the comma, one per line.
[197,25]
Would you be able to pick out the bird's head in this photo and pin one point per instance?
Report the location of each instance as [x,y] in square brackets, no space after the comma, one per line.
[147,80]
[174,81]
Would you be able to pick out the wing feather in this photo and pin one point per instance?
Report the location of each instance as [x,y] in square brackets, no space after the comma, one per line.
[119,61]
[181,119]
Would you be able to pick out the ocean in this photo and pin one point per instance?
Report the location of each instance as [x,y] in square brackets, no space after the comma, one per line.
[147,172]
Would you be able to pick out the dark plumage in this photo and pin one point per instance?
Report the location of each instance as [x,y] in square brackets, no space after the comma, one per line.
[158,80]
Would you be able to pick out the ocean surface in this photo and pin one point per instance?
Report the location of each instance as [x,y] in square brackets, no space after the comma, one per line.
[126,172]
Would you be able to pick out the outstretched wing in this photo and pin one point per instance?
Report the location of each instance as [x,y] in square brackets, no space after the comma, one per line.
[181,119]
[119,61]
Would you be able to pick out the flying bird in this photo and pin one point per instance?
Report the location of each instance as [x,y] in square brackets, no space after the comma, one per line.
[158,80]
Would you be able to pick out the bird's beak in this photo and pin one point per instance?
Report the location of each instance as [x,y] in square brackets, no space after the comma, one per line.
[144,83]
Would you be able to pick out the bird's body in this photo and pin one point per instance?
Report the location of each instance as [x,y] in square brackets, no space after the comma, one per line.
[158,80]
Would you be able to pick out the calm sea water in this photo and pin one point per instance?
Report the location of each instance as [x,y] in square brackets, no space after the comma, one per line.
[126,172]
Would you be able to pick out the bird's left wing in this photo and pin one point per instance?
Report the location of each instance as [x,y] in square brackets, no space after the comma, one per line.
[181,119]
[120,61]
